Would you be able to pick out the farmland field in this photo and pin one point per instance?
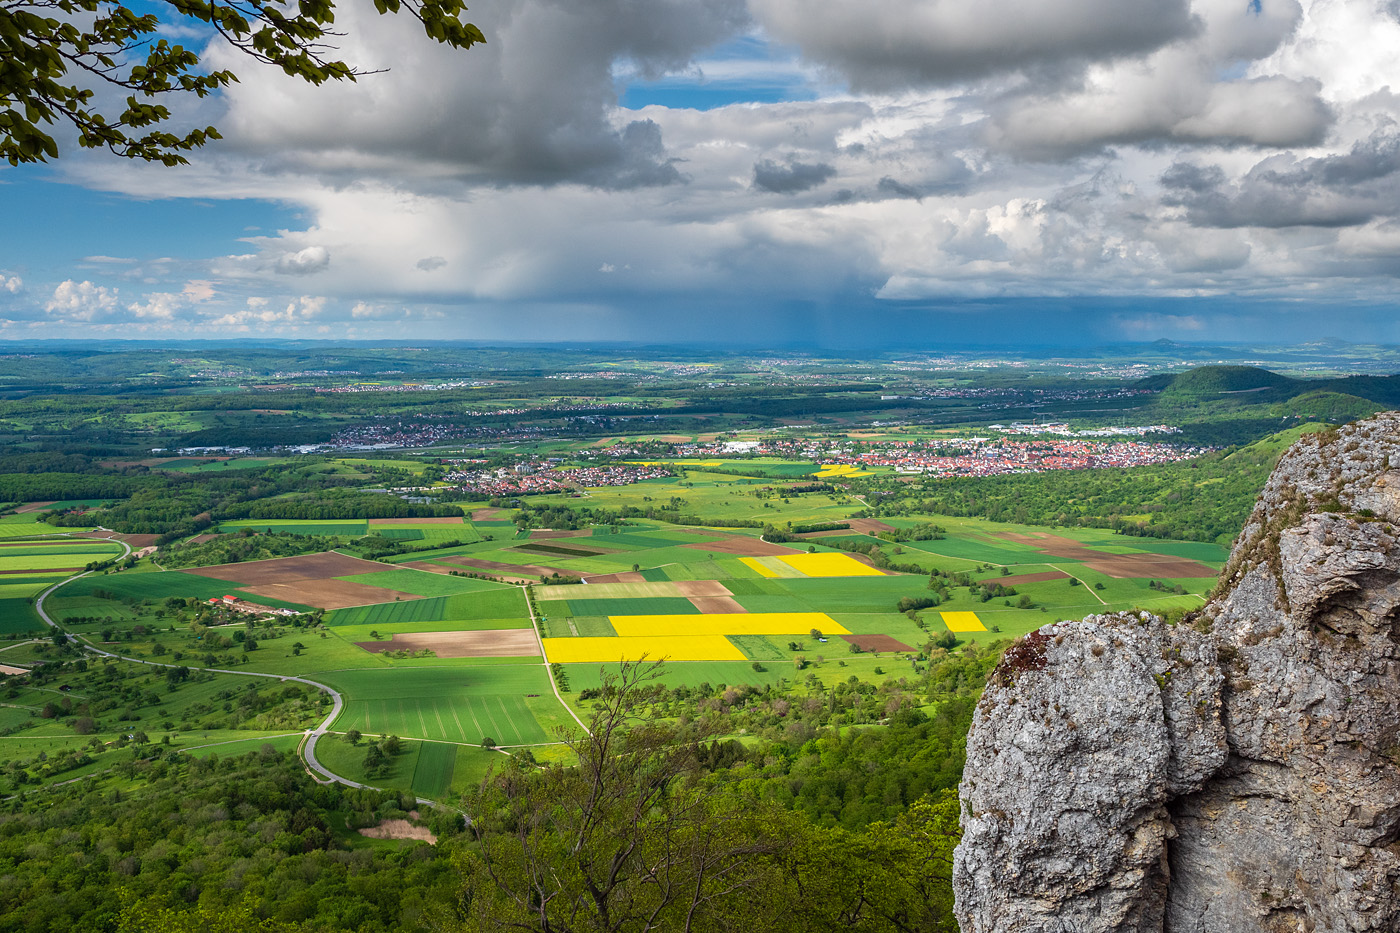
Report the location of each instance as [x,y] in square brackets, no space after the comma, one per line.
[432,774]
[460,703]
[741,623]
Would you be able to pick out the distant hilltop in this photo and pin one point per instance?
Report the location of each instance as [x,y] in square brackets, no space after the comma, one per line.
[1237,772]
[1343,398]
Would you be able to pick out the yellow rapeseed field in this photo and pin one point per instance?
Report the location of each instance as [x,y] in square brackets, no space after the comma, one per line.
[654,647]
[963,622]
[828,565]
[724,623]
[839,469]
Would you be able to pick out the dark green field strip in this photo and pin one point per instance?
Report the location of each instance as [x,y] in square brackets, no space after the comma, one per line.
[432,777]
[655,575]
[17,617]
[416,610]
[644,606]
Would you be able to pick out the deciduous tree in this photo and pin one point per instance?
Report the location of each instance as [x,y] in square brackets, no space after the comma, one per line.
[56,55]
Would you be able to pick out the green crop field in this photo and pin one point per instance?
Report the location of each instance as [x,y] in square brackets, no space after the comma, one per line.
[432,775]
[422,583]
[17,616]
[501,602]
[972,550]
[220,466]
[457,703]
[352,529]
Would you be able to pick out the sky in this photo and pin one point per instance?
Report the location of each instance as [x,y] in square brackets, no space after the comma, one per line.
[757,172]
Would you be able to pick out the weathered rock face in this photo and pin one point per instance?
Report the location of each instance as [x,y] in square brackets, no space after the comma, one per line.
[1238,772]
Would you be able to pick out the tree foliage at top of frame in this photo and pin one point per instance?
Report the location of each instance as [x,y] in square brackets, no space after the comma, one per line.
[54,54]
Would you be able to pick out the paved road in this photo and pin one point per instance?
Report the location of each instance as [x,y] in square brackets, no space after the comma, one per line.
[308,746]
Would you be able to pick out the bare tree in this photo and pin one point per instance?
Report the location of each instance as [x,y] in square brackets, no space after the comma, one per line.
[632,838]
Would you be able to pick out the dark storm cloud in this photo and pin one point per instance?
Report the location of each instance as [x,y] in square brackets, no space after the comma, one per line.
[892,44]
[1283,191]
[792,177]
[888,185]
[531,106]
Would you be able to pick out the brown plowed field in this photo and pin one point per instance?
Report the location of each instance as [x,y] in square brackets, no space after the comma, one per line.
[327,594]
[1118,566]
[200,539]
[869,526]
[485,515]
[716,604]
[701,588]
[427,565]
[743,547]
[495,643]
[496,566]
[553,549]
[136,541]
[35,506]
[439,520]
[293,569]
[627,576]
[1016,578]
[548,534]
[876,643]
[596,590]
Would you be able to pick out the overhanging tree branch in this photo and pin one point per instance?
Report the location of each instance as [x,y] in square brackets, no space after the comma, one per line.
[41,53]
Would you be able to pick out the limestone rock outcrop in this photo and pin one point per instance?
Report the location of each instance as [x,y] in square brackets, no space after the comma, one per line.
[1239,771]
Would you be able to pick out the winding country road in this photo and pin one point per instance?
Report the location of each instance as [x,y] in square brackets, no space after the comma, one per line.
[308,747]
